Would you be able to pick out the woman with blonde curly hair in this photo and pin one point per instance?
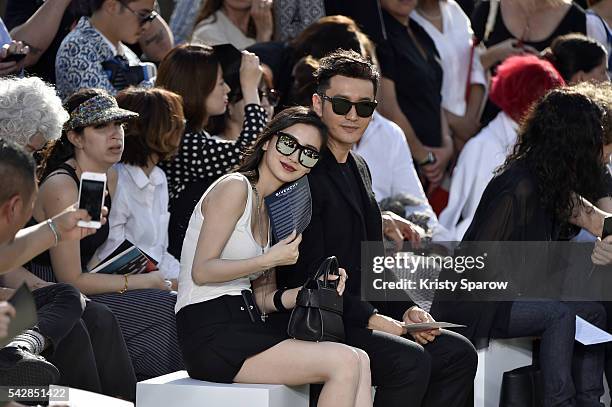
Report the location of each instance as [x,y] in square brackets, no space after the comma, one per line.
[31,113]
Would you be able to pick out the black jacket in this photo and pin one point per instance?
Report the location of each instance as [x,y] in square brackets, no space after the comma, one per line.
[338,227]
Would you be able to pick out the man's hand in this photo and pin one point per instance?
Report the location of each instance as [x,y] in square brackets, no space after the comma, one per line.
[66,223]
[602,253]
[378,322]
[6,313]
[415,315]
[11,67]
[399,229]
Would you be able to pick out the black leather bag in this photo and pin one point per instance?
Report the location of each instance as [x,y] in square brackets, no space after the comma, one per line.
[317,315]
[522,387]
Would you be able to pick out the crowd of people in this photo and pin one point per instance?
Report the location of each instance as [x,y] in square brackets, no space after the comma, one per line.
[413,120]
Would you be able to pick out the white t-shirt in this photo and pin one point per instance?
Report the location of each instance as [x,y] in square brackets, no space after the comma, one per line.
[454,45]
[218,29]
[476,165]
[139,213]
[388,155]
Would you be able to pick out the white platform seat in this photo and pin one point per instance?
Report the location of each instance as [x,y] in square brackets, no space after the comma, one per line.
[82,398]
[178,389]
[501,355]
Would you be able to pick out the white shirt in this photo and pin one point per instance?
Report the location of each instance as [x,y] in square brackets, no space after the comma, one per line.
[139,213]
[240,245]
[388,156]
[454,45]
[218,29]
[478,160]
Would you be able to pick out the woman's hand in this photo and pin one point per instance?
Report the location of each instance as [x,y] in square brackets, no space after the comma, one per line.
[602,252]
[415,315]
[505,49]
[7,312]
[383,323]
[399,229]
[156,280]
[435,172]
[341,278]
[285,252]
[250,76]
[261,13]
[11,67]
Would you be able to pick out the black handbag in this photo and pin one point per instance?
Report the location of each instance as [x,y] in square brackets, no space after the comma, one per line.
[317,315]
[522,387]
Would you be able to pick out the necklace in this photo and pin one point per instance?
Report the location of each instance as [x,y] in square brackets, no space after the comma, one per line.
[259,227]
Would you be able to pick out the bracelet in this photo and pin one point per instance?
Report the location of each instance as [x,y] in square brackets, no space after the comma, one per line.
[278,302]
[53,228]
[125,287]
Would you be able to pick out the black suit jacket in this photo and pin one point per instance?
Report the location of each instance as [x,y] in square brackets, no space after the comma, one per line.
[338,226]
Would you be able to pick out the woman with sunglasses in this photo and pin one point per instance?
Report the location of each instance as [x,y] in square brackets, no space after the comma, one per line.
[227,251]
[93,55]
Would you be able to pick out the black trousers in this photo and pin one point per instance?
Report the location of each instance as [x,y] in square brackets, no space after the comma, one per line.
[87,345]
[439,374]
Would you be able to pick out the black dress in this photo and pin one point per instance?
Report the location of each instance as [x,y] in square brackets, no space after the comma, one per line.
[146,317]
[575,21]
[418,79]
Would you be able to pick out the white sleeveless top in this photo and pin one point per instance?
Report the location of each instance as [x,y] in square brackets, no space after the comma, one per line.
[241,245]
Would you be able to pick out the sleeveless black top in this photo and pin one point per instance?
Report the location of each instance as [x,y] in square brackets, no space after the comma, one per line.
[90,244]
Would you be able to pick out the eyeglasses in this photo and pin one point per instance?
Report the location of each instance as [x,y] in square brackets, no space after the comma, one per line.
[271,94]
[142,18]
[286,144]
[342,106]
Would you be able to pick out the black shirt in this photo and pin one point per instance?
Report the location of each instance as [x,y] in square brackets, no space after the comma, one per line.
[350,174]
[418,80]
[18,12]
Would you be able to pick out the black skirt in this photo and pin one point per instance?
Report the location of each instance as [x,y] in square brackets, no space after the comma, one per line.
[217,336]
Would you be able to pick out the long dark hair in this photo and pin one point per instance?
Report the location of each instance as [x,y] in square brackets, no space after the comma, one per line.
[572,53]
[561,142]
[59,151]
[211,7]
[190,70]
[287,118]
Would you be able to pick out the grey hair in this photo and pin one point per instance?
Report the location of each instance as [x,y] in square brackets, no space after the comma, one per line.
[29,106]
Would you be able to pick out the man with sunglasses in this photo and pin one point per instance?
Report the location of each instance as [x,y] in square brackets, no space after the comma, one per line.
[42,25]
[431,368]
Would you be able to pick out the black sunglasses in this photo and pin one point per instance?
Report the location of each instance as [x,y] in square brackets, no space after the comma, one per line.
[142,18]
[271,94]
[342,106]
[286,144]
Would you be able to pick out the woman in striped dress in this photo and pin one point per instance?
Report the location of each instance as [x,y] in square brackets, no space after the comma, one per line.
[92,140]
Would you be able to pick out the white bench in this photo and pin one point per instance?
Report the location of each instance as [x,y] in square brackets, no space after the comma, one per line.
[178,389]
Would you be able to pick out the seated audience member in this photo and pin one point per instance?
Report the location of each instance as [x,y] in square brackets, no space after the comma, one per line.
[92,141]
[42,25]
[530,200]
[527,26]
[520,81]
[194,73]
[140,204]
[93,54]
[578,58]
[78,351]
[240,23]
[345,214]
[227,249]
[413,101]
[463,78]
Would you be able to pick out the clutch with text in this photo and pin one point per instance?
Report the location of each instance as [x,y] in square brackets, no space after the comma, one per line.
[290,208]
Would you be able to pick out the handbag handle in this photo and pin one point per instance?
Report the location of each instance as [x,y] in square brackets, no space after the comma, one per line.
[326,267]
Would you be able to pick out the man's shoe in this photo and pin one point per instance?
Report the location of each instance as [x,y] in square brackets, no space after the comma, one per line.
[20,367]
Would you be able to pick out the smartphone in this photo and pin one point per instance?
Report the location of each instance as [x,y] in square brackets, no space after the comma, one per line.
[14,57]
[607,227]
[91,198]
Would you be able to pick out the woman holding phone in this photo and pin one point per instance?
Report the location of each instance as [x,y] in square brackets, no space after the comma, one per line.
[92,141]
[227,251]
